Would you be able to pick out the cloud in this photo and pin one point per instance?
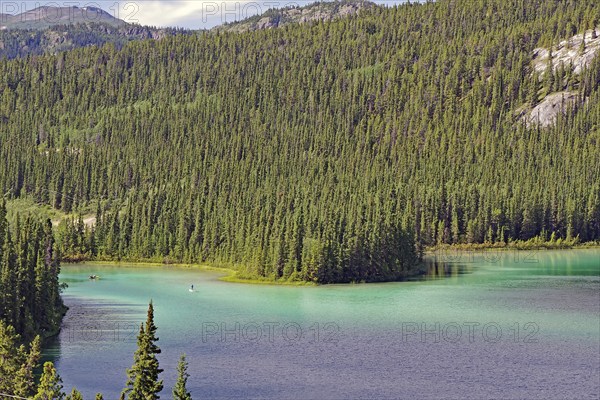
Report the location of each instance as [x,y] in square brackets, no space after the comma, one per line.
[161,13]
[194,14]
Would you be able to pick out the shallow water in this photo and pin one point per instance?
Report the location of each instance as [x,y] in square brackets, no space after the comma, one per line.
[483,325]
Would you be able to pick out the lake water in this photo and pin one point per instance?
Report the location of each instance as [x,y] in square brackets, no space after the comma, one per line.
[483,325]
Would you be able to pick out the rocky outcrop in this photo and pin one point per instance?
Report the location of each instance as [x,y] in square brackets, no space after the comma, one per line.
[575,54]
[569,52]
[546,112]
[325,11]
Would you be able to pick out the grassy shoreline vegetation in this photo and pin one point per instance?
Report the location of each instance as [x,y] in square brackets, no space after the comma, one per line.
[230,273]
[532,244]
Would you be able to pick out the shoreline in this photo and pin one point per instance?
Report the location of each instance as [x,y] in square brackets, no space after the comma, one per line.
[230,275]
[518,246]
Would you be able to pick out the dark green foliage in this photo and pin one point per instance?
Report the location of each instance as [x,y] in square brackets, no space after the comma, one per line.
[17,362]
[329,152]
[180,391]
[29,289]
[143,382]
[50,387]
[30,305]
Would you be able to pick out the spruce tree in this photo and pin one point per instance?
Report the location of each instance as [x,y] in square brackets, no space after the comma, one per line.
[25,379]
[143,382]
[50,387]
[17,364]
[74,395]
[180,390]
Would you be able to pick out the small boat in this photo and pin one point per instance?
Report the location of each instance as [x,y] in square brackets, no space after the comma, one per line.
[93,277]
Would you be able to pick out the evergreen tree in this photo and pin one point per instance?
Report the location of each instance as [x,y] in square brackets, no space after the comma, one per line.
[16,366]
[180,390]
[50,387]
[143,383]
[25,379]
[74,395]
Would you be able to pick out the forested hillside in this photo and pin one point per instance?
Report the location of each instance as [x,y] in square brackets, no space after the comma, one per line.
[327,152]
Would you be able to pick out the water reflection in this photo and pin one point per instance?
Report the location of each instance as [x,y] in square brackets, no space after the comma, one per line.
[51,352]
[435,270]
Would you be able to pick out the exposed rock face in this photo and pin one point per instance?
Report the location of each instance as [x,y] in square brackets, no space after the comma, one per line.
[569,52]
[325,11]
[546,112]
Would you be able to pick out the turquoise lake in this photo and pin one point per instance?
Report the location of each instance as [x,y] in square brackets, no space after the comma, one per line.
[478,325]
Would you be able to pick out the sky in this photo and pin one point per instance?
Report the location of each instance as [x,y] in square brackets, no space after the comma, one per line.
[192,14]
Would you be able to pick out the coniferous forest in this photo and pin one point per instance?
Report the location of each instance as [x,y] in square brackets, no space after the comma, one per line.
[327,152]
[29,290]
[30,304]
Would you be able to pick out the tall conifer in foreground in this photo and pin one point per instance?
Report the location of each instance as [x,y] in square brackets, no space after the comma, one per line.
[75,395]
[50,387]
[143,382]
[180,390]
[17,364]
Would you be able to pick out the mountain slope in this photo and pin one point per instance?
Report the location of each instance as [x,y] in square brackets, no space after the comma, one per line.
[320,11]
[46,16]
[329,152]
[54,29]
[20,43]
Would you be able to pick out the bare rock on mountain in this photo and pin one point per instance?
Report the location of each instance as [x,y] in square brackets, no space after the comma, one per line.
[575,53]
[569,52]
[546,112]
[41,18]
[323,11]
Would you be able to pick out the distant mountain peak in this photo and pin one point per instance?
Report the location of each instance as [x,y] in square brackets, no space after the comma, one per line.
[44,17]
